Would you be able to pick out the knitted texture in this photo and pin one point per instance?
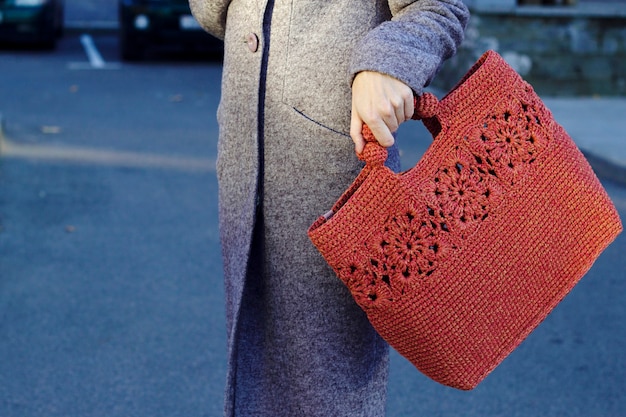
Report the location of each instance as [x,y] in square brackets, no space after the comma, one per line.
[458,259]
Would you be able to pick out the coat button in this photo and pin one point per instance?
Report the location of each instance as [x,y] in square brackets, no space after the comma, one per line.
[253,42]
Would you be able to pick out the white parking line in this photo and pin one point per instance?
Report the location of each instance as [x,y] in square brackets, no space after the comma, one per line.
[95,59]
[93,55]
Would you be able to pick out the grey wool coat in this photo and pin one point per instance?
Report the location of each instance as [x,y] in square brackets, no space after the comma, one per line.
[298,344]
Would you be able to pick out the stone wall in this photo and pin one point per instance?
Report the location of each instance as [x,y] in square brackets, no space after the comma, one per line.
[562,51]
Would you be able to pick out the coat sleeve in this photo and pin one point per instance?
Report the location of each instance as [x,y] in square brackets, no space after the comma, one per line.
[211,14]
[414,43]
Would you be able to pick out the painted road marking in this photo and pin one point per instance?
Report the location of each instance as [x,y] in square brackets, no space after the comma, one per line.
[95,59]
[104,157]
[93,55]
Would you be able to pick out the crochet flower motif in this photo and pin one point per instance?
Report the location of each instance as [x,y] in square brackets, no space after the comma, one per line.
[368,282]
[408,249]
[461,190]
[513,137]
[535,112]
[460,195]
[411,246]
[508,140]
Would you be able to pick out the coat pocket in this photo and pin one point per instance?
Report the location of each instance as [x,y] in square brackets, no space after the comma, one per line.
[322,36]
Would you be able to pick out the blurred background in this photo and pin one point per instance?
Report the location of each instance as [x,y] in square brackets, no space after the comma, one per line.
[111,298]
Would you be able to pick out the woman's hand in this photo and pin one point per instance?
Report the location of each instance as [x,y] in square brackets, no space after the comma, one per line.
[383,103]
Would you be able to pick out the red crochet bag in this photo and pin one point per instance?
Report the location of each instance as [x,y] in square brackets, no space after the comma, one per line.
[458,259]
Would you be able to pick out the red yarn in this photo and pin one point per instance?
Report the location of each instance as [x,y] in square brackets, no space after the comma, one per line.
[457,260]
[426,106]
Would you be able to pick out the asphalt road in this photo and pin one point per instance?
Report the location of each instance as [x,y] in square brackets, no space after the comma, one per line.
[111,300]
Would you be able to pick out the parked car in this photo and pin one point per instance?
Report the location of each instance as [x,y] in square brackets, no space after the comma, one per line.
[35,22]
[147,24]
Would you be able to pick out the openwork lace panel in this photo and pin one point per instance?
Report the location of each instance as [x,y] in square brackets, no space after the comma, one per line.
[491,158]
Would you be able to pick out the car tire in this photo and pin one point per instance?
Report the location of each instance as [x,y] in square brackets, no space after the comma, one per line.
[48,39]
[129,49]
[49,44]
[60,26]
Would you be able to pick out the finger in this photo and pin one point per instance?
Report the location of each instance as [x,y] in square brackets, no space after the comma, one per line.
[387,123]
[404,107]
[382,133]
[400,116]
[356,127]
[409,107]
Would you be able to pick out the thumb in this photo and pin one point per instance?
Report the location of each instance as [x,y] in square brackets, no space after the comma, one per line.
[356,132]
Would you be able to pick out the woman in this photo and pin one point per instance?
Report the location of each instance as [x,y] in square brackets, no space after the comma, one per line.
[300,78]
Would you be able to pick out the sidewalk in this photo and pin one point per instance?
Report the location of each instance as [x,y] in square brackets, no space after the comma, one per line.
[598,126]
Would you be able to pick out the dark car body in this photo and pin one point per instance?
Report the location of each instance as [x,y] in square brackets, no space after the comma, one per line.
[145,24]
[38,22]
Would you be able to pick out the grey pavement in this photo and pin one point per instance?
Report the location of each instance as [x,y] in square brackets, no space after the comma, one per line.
[121,347]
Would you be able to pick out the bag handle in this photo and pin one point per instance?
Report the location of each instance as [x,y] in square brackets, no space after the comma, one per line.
[426,107]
